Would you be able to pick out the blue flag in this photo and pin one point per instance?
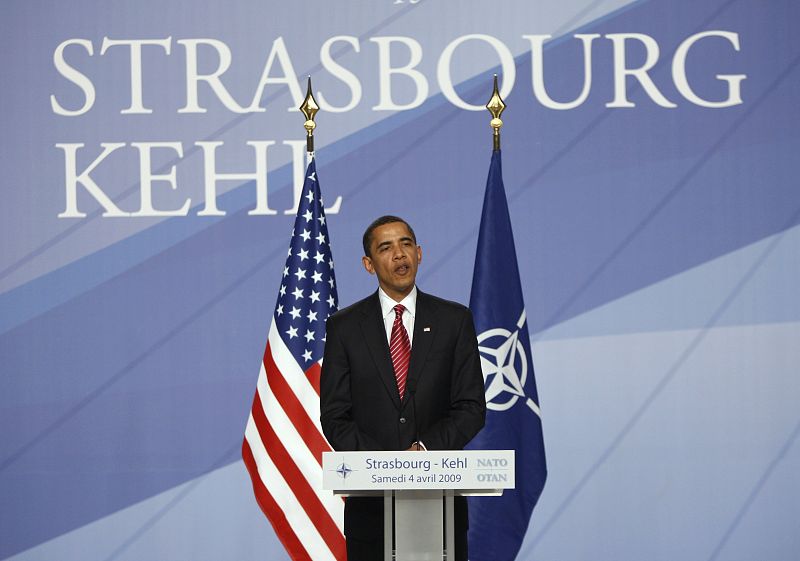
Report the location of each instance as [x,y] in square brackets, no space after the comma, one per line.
[497,525]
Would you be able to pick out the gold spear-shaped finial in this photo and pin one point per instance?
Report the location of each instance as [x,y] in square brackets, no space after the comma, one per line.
[496,108]
[309,109]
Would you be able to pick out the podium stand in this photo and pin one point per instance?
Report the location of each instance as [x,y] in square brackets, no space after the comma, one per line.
[419,482]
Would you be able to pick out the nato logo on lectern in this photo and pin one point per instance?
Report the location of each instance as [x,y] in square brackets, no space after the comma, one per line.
[343,470]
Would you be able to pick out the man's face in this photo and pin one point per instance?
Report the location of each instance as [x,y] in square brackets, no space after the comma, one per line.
[394,258]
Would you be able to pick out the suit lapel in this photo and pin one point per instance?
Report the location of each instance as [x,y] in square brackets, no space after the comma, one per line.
[424,332]
[374,332]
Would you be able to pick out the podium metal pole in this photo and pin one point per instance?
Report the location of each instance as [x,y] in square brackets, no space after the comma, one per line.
[388,524]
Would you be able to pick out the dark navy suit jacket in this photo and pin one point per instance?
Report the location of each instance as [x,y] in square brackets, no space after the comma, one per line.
[359,403]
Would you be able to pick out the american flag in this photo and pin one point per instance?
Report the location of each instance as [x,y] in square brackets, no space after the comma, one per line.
[283,442]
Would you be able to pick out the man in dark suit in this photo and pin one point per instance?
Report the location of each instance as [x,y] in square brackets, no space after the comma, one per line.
[374,396]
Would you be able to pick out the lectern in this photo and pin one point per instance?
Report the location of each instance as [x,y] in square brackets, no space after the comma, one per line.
[419,482]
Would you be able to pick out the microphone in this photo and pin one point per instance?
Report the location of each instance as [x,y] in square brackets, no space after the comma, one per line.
[411,388]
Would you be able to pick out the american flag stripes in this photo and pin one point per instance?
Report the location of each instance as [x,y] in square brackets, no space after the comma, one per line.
[283,441]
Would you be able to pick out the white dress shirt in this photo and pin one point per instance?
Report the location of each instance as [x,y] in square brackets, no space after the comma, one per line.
[387,309]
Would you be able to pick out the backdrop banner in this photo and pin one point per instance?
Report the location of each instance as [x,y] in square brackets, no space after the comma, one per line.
[153,159]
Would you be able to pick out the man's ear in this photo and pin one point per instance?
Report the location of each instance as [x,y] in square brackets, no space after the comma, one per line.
[367,262]
[419,254]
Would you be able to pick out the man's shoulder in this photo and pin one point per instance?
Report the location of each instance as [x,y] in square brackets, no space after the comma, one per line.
[441,304]
[355,310]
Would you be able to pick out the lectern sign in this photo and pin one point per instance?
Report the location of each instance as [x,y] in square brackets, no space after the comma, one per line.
[446,469]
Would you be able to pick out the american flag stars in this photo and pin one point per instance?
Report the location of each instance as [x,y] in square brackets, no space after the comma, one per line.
[308,293]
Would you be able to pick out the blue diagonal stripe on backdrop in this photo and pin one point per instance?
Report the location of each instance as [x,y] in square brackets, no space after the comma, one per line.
[672,193]
[554,160]
[668,376]
[231,454]
[759,485]
[194,149]
[202,309]
[25,305]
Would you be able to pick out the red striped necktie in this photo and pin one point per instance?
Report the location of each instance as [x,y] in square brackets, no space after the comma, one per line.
[400,349]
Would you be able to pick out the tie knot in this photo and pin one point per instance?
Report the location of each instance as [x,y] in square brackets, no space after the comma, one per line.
[399,309]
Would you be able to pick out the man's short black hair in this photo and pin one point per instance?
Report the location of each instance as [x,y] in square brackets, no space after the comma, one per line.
[388,219]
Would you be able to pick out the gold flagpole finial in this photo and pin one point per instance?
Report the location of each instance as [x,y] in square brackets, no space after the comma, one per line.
[496,108]
[309,109]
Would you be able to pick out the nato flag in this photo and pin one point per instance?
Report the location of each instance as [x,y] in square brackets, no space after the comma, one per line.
[497,525]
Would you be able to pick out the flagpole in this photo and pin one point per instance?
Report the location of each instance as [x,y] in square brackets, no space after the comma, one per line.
[309,109]
[496,108]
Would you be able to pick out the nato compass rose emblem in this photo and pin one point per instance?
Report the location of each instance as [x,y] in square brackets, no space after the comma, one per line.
[344,470]
[505,368]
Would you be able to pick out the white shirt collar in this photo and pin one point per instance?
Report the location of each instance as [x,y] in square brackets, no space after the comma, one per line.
[387,304]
